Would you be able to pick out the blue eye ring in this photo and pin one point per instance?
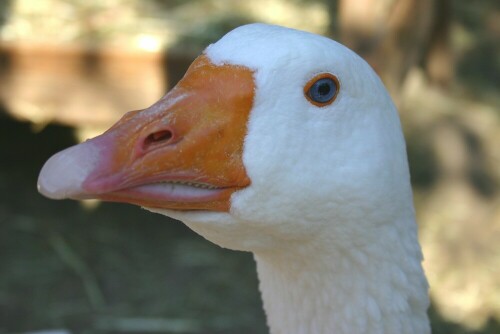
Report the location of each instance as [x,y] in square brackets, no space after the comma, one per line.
[322,89]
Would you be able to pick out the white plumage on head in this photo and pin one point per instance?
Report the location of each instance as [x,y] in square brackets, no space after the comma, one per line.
[328,207]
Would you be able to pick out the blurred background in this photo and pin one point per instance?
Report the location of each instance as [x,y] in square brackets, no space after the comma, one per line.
[71,68]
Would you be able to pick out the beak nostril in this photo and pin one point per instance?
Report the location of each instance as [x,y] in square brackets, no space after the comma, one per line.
[161,135]
[158,137]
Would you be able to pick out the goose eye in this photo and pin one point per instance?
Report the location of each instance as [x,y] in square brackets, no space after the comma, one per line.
[322,89]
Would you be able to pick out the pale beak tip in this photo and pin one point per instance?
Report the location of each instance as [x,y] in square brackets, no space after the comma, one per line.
[63,174]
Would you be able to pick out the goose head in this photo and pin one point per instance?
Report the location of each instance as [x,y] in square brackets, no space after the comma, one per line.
[285,144]
[273,135]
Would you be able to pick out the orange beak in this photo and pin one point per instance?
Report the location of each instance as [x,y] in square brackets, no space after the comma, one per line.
[183,153]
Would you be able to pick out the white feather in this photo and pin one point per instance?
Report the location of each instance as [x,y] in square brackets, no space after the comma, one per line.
[329,213]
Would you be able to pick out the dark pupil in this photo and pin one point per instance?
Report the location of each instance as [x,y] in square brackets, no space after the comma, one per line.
[323,90]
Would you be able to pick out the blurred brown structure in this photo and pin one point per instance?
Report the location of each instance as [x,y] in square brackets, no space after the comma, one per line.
[396,35]
[77,86]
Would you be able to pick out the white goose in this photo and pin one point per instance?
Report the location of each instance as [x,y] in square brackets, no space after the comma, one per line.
[285,144]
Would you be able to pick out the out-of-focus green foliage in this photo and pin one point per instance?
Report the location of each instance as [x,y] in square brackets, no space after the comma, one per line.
[478,34]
